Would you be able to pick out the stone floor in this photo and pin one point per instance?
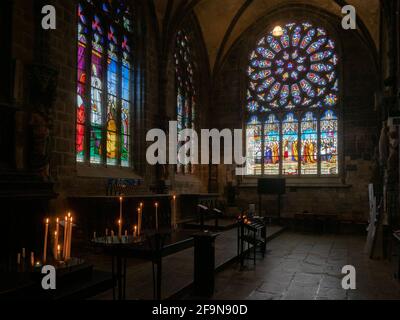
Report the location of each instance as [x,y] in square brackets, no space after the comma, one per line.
[177,268]
[308,267]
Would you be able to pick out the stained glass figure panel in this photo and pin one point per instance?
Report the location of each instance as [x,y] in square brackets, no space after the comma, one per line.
[329,144]
[290,144]
[96,137]
[272,146]
[309,145]
[185,89]
[254,148]
[108,102]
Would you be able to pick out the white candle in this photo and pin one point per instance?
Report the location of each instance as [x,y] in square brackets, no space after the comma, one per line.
[46,234]
[55,244]
[120,229]
[58,252]
[174,225]
[32,259]
[56,236]
[106,232]
[70,237]
[120,216]
[135,231]
[19,259]
[139,221]
[94,236]
[156,216]
[65,237]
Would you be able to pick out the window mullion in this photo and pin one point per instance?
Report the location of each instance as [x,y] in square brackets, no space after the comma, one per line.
[319,173]
[105,96]
[88,95]
[281,147]
[299,145]
[119,103]
[263,148]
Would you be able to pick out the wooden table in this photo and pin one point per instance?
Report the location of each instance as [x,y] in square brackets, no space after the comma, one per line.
[153,247]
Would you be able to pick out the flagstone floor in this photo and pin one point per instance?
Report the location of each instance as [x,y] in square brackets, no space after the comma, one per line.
[308,267]
[177,268]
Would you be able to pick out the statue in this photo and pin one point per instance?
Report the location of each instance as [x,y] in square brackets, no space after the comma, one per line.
[43,82]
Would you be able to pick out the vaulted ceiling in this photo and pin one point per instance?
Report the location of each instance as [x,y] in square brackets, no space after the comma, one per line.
[223,21]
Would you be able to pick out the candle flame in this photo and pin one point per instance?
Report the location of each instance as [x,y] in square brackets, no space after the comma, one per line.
[58,220]
[69,214]
[47,221]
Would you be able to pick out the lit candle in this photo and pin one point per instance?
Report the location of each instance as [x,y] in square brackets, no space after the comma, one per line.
[32,259]
[70,237]
[55,244]
[58,252]
[156,215]
[65,237]
[46,234]
[120,228]
[139,221]
[120,215]
[135,231]
[56,235]
[19,259]
[174,213]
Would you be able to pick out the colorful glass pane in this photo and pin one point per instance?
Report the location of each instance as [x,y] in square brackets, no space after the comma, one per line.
[309,145]
[254,148]
[290,145]
[272,146]
[301,58]
[96,138]
[186,93]
[108,101]
[329,144]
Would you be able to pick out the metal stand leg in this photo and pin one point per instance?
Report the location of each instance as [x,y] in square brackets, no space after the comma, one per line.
[113,275]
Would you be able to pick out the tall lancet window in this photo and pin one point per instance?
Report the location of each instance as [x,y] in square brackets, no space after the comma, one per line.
[105,82]
[186,96]
[292,103]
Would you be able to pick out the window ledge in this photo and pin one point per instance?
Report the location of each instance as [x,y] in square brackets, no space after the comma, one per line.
[311,182]
[86,171]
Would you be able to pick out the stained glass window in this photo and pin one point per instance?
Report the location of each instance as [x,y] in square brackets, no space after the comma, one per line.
[293,92]
[185,88]
[104,93]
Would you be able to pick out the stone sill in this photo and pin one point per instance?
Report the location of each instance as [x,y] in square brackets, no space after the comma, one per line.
[85,171]
[312,182]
